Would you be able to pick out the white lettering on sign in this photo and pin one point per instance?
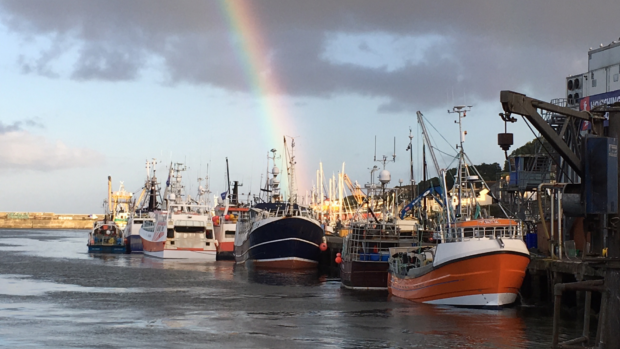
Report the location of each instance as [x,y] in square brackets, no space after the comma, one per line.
[613,150]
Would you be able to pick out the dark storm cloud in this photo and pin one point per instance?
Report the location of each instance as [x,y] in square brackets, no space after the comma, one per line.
[488,45]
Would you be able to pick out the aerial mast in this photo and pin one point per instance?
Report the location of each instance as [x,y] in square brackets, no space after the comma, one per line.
[462,111]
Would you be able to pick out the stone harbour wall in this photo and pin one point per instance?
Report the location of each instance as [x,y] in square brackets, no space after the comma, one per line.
[46,220]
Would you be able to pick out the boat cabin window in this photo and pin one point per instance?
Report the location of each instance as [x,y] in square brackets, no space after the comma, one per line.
[148,225]
[209,234]
[468,232]
[170,234]
[229,233]
[189,226]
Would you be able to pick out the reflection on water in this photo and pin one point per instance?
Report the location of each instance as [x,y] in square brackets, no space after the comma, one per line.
[76,299]
[476,327]
[278,277]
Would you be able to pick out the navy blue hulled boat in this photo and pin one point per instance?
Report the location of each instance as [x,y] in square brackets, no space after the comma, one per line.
[278,234]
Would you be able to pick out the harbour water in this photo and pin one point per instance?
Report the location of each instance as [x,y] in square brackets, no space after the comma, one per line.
[54,294]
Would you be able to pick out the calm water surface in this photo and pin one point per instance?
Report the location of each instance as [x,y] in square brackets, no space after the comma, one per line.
[54,294]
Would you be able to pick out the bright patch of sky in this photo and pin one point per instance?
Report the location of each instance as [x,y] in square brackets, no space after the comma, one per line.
[380,49]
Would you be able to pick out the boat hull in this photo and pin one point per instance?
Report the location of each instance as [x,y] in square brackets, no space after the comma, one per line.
[182,254]
[157,249]
[491,279]
[364,275]
[282,243]
[226,250]
[135,244]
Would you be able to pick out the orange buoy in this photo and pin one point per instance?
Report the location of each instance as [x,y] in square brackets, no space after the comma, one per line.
[338,259]
[338,254]
[105,227]
[323,247]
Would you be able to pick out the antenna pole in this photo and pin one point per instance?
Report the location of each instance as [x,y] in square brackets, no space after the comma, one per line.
[394,154]
[375,159]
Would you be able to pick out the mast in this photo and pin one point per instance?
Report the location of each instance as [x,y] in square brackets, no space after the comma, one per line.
[440,172]
[110,194]
[227,177]
[424,181]
[290,170]
[166,194]
[410,148]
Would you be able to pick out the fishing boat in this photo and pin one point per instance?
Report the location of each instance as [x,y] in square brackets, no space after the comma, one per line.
[224,228]
[107,234]
[225,219]
[479,261]
[146,204]
[365,252]
[275,233]
[183,229]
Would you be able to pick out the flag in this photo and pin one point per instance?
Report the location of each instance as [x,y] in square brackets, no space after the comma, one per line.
[223,195]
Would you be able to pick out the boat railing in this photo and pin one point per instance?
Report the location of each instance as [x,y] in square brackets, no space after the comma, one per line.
[281,212]
[373,242]
[482,232]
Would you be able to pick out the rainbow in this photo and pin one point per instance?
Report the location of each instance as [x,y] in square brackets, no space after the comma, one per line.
[253,56]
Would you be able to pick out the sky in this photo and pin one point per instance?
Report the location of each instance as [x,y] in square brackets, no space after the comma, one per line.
[90,89]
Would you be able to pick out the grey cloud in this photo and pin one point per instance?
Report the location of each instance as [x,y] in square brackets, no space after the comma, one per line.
[19,125]
[491,46]
[108,63]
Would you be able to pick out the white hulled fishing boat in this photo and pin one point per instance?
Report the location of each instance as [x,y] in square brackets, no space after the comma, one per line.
[147,204]
[188,225]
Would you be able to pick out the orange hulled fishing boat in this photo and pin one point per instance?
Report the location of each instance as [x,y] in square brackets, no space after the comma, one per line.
[478,261]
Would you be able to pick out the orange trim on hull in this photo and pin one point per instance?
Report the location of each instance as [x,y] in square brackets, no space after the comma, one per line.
[284,264]
[488,274]
[493,222]
[226,247]
[151,246]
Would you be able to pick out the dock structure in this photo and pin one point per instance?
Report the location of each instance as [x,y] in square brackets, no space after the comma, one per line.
[581,207]
[46,220]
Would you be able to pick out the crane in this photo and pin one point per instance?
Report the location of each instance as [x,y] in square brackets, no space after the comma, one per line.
[356,191]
